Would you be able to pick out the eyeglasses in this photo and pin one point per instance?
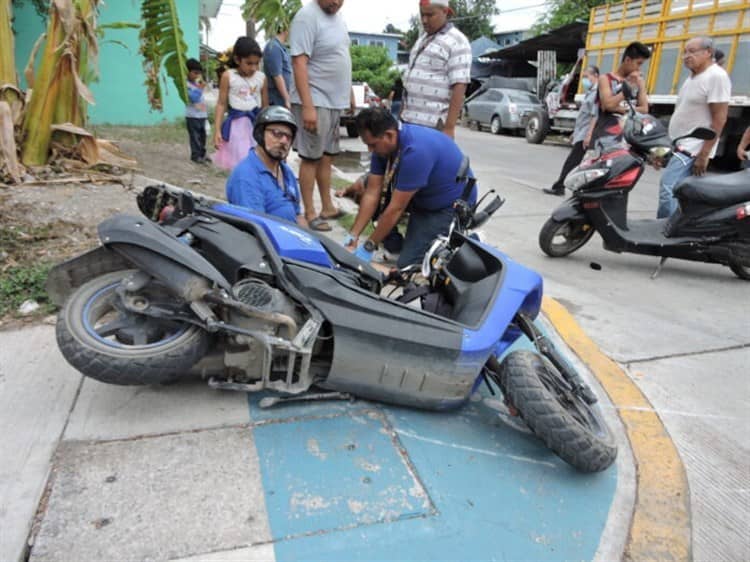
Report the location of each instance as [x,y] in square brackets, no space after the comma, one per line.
[278,134]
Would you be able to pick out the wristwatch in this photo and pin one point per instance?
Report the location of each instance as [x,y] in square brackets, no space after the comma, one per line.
[370,246]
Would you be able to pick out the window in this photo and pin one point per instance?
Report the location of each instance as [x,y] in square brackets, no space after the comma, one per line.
[376,43]
[355,41]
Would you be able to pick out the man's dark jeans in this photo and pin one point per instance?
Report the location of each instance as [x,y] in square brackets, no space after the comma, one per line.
[423,228]
[196,127]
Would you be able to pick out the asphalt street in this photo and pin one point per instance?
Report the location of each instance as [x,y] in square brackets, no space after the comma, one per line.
[683,337]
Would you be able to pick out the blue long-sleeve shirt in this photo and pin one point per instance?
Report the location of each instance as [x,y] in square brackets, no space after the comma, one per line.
[196,109]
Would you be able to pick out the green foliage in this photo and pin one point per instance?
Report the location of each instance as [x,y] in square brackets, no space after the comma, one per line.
[372,65]
[271,15]
[162,43]
[562,12]
[19,284]
[474,17]
[412,34]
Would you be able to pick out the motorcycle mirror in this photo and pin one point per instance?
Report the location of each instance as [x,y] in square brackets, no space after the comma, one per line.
[703,133]
[494,205]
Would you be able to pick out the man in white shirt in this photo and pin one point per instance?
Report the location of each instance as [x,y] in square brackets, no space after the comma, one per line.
[703,101]
[439,70]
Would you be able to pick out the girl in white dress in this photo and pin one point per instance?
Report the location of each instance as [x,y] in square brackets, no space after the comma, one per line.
[243,92]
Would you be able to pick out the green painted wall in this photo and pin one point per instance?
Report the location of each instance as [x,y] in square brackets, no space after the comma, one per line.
[119,92]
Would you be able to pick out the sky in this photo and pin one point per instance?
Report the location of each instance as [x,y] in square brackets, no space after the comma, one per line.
[373,16]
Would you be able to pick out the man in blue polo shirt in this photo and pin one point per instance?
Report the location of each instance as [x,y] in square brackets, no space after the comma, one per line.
[263,181]
[418,165]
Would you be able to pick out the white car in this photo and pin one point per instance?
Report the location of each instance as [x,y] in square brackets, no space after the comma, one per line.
[364,97]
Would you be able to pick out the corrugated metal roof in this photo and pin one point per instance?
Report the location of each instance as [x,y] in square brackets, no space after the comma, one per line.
[565,41]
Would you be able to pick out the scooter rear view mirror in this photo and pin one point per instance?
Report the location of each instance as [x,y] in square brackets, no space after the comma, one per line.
[703,133]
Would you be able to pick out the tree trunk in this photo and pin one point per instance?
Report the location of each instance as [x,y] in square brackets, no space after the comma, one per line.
[250,28]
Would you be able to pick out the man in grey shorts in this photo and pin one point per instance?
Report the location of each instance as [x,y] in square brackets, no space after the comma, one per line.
[319,45]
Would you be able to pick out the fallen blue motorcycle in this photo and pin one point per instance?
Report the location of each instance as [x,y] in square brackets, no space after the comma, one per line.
[198,287]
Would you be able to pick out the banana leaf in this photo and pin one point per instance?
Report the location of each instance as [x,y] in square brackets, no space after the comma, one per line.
[59,93]
[7,60]
[162,43]
[271,15]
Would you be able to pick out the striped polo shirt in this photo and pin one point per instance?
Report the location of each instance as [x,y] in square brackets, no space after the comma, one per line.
[436,62]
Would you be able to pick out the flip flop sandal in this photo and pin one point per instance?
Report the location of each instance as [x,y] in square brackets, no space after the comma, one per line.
[320,224]
[337,215]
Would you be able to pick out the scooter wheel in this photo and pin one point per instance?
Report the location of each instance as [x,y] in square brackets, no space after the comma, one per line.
[574,430]
[560,238]
[107,342]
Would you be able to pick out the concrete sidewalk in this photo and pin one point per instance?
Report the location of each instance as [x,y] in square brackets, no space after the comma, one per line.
[185,472]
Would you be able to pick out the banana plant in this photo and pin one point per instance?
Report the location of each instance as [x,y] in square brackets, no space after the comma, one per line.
[59,94]
[9,91]
[271,15]
[162,42]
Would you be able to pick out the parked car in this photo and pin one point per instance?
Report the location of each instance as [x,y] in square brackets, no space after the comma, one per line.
[501,109]
[364,97]
[560,109]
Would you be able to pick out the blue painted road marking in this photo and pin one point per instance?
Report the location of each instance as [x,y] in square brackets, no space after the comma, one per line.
[462,485]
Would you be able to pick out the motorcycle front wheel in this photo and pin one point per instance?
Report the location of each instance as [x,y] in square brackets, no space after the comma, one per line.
[108,342]
[560,238]
[574,430]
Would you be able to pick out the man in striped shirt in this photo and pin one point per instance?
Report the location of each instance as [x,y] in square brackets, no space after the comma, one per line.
[439,70]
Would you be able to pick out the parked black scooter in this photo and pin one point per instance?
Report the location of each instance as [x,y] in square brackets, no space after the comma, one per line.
[711,225]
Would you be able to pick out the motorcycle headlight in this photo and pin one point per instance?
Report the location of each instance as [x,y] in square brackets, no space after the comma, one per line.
[660,152]
[578,178]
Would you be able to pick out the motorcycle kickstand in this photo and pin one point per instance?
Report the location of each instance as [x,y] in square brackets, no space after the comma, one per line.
[659,267]
[271,401]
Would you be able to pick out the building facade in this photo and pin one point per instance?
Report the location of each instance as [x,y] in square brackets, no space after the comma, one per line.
[388,40]
[119,91]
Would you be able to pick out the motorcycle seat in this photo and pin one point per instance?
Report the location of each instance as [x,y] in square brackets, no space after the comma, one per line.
[716,191]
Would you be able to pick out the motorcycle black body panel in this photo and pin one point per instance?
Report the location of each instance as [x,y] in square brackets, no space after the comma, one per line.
[385,350]
[126,234]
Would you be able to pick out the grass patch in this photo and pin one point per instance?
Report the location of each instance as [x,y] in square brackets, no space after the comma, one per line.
[347,221]
[19,284]
[339,183]
[164,132]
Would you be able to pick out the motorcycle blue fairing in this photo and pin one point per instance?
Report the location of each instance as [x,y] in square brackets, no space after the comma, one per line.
[288,239]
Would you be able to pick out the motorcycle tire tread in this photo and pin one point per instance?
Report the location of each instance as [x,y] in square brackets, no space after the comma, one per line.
[547,235]
[161,366]
[548,419]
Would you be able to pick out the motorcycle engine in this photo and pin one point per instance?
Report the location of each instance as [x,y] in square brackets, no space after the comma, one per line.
[244,355]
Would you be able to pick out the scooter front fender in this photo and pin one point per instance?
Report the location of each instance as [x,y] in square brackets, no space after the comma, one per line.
[569,210]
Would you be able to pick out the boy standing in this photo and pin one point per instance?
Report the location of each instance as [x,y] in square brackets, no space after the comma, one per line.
[195,112]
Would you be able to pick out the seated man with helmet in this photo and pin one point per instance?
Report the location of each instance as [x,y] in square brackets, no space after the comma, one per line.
[263,181]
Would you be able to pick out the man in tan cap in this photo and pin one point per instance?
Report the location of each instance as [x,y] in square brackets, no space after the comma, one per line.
[439,70]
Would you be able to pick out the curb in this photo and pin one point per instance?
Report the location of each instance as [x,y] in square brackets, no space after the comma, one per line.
[660,528]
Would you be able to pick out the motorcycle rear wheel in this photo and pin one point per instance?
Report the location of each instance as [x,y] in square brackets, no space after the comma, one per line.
[571,428]
[109,343]
[574,233]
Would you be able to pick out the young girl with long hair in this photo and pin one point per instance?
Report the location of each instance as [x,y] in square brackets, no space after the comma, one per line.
[243,92]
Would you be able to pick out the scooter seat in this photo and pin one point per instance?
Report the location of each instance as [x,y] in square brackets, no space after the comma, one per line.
[716,191]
